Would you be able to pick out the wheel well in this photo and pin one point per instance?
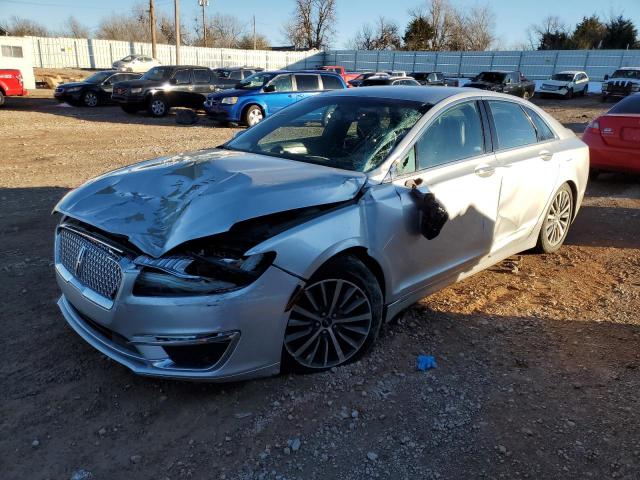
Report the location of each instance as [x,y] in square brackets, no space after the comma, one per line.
[247,107]
[371,263]
[574,194]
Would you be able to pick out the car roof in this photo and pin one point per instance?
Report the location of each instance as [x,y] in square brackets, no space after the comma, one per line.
[573,72]
[411,93]
[628,68]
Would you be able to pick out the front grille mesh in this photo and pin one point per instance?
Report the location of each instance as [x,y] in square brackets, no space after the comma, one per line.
[90,262]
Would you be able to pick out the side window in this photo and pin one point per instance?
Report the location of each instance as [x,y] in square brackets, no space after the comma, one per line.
[543,130]
[439,77]
[283,83]
[201,76]
[456,134]
[329,82]
[431,77]
[236,75]
[182,77]
[115,79]
[307,83]
[515,78]
[513,128]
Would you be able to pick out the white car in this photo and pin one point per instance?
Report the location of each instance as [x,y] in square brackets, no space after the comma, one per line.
[567,84]
[622,82]
[136,63]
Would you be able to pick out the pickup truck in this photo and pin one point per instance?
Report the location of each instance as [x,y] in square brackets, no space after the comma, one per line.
[513,83]
[346,76]
[622,82]
[11,84]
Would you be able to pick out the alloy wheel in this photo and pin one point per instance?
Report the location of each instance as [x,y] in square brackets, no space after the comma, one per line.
[255,116]
[158,107]
[329,324]
[90,99]
[558,218]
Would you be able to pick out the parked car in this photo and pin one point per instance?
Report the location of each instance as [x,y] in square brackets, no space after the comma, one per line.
[513,83]
[230,77]
[614,138]
[11,84]
[297,239]
[94,90]
[357,82]
[379,80]
[265,93]
[136,63]
[566,84]
[346,76]
[429,78]
[623,82]
[162,88]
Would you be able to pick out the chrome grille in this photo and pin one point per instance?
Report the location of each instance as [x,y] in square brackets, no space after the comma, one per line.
[93,264]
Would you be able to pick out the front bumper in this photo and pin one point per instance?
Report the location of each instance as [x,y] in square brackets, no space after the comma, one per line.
[62,96]
[245,327]
[220,112]
[561,91]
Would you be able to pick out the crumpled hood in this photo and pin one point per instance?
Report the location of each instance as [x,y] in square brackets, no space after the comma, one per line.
[165,202]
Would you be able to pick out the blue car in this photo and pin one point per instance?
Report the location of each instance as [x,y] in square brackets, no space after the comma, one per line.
[265,93]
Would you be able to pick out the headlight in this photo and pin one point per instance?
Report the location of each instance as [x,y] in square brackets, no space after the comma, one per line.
[604,87]
[635,87]
[229,100]
[73,89]
[194,274]
[136,90]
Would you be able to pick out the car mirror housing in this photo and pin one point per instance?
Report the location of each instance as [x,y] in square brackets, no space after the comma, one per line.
[269,88]
[606,77]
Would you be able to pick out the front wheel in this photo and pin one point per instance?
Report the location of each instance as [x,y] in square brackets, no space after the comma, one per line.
[569,94]
[90,99]
[336,318]
[158,107]
[253,115]
[555,226]
[526,95]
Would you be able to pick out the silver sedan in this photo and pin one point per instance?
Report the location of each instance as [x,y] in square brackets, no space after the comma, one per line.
[295,241]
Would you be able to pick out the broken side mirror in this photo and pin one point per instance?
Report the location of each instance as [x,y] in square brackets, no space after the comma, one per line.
[431,213]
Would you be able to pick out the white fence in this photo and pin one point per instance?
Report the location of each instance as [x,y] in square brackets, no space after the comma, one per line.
[537,64]
[92,53]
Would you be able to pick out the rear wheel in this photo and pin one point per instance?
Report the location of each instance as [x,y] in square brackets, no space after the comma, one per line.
[158,107]
[253,115]
[594,174]
[555,226]
[1,98]
[90,99]
[336,318]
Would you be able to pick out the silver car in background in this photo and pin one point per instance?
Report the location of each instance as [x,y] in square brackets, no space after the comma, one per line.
[293,242]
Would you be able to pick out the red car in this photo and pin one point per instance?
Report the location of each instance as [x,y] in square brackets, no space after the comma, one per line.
[346,76]
[614,138]
[11,84]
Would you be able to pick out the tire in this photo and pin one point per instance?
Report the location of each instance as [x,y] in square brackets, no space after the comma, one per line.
[526,95]
[569,94]
[557,221]
[130,109]
[594,174]
[253,115]
[158,107]
[1,98]
[90,99]
[335,319]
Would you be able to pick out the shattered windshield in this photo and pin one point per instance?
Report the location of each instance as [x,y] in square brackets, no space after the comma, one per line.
[351,133]
[562,77]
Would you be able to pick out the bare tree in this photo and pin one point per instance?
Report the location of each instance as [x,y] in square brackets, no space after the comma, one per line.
[74,29]
[23,27]
[312,23]
[472,29]
[384,35]
[246,42]
[552,33]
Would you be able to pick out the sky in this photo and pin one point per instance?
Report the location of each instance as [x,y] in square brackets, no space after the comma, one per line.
[513,17]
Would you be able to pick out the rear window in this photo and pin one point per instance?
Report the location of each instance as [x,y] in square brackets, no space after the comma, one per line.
[543,130]
[629,105]
[307,82]
[329,82]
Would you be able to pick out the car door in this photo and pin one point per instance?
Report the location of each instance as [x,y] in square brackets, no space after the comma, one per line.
[181,92]
[452,159]
[306,85]
[203,85]
[529,166]
[280,92]
[106,88]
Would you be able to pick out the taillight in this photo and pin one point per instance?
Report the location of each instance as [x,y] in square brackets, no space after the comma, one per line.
[594,126]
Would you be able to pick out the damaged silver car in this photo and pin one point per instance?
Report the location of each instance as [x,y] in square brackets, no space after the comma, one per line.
[294,242]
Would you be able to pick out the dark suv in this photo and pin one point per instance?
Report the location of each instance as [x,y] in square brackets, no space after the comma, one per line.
[429,78]
[230,77]
[164,87]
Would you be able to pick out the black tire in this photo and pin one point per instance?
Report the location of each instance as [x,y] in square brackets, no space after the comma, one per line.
[569,94]
[1,98]
[90,99]
[158,106]
[594,174]
[554,230]
[526,95]
[130,109]
[355,294]
[253,115]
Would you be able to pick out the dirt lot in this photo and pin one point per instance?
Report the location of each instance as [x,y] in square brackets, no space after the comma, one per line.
[538,369]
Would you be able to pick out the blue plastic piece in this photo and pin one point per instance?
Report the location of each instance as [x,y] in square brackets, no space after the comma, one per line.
[426,362]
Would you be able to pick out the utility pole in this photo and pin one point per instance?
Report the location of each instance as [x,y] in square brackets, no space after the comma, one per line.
[254,31]
[177,26]
[204,3]
[152,23]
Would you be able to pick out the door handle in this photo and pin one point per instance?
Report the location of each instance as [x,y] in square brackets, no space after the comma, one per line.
[545,155]
[484,170]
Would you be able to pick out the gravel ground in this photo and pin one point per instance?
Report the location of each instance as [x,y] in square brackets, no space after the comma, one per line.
[538,359]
